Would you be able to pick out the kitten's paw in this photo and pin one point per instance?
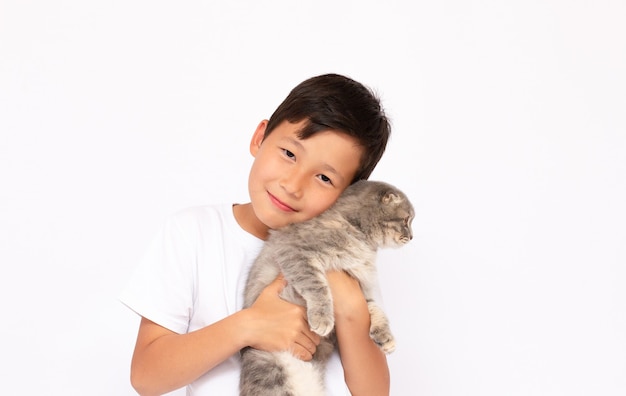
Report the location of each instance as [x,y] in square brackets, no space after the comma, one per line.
[321,323]
[380,331]
[382,336]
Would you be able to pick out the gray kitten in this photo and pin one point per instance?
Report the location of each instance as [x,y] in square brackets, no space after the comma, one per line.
[368,215]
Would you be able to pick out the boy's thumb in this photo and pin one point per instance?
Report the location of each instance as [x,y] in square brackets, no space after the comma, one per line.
[278,284]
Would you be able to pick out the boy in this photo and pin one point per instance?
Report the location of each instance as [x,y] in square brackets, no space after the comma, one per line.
[329,132]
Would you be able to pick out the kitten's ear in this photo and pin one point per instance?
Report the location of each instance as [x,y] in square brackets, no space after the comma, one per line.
[390,197]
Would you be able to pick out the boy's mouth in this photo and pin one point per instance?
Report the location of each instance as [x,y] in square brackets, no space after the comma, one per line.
[280,204]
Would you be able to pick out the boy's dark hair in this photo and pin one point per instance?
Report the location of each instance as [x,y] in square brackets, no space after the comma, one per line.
[336,102]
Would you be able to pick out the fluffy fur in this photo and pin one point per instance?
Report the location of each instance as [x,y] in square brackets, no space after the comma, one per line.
[346,237]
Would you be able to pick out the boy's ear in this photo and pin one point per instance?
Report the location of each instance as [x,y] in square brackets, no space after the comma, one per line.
[257,137]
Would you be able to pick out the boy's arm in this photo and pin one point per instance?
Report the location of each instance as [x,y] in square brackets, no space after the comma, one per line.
[365,365]
[164,360]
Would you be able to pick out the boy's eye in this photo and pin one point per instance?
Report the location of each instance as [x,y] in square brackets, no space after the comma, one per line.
[289,153]
[325,178]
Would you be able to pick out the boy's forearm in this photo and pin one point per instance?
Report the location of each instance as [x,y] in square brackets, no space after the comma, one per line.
[365,365]
[172,361]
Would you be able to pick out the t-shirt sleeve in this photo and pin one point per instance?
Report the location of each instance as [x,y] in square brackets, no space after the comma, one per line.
[162,286]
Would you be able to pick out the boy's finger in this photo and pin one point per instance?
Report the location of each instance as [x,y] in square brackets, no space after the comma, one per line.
[278,284]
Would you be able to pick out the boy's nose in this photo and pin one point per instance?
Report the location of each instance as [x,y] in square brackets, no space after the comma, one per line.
[292,183]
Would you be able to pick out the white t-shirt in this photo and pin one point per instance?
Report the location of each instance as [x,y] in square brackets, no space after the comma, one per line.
[192,275]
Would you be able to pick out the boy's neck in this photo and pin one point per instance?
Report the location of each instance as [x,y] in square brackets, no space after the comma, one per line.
[244,214]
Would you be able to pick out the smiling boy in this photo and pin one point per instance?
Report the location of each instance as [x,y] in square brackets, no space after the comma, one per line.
[293,180]
[329,132]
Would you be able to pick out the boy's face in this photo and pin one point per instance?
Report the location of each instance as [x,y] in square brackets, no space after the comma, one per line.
[293,180]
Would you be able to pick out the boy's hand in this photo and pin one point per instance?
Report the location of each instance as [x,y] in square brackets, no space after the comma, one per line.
[280,325]
[349,303]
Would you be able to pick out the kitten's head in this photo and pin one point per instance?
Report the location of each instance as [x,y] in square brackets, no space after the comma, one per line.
[381,210]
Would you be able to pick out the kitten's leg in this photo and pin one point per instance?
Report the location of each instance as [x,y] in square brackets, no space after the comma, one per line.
[262,373]
[320,310]
[311,284]
[380,331]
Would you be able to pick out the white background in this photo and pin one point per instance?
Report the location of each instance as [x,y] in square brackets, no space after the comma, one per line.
[509,135]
